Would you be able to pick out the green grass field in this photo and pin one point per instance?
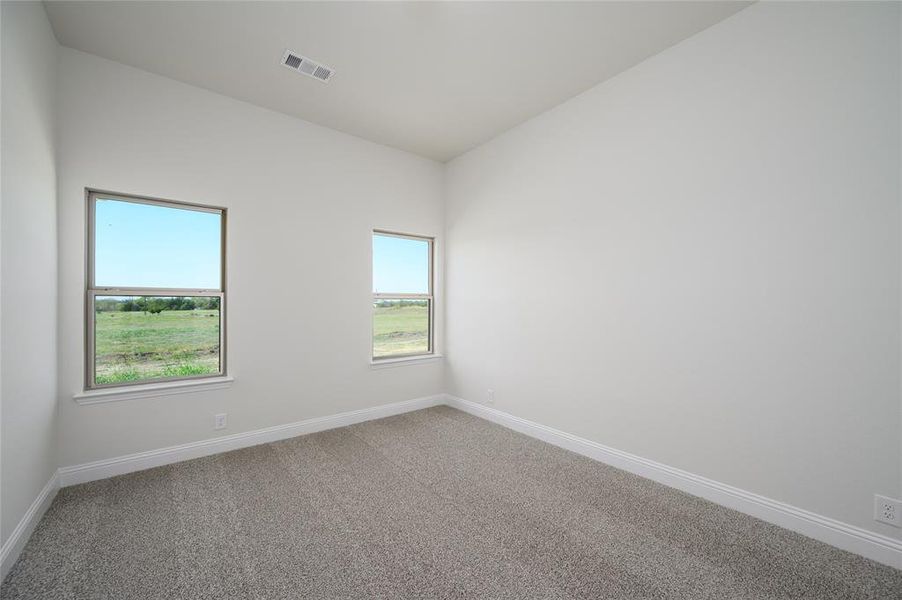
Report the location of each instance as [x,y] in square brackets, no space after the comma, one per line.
[400,330]
[132,346]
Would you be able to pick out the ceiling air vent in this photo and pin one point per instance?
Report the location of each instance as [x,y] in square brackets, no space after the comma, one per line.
[303,65]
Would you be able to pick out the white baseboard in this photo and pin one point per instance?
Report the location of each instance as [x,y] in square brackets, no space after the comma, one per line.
[16,541]
[847,537]
[139,461]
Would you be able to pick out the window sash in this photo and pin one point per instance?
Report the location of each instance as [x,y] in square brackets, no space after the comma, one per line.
[94,195]
[92,291]
[419,238]
[91,339]
[400,296]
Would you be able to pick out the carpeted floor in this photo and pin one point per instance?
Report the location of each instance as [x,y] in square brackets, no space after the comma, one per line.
[430,504]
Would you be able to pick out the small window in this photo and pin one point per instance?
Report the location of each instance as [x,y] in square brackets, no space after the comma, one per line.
[155,291]
[402,295]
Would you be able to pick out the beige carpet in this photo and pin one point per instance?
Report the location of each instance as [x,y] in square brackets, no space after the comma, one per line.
[431,504]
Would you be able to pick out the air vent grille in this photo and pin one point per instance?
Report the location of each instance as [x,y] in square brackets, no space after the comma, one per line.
[293,61]
[322,73]
[303,65]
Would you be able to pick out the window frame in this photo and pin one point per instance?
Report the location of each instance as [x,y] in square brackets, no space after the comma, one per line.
[91,291]
[429,297]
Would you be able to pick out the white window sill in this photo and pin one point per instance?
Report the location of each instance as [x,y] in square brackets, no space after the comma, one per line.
[387,363]
[151,390]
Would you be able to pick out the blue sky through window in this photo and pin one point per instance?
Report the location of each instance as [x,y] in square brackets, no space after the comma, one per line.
[147,245]
[400,265]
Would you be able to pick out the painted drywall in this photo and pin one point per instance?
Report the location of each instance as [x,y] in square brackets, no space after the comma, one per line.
[28,276]
[302,203]
[698,261]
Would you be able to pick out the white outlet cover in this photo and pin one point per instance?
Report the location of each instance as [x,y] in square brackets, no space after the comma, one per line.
[888,510]
[220,421]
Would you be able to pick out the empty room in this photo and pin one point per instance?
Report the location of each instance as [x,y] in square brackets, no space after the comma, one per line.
[576,300]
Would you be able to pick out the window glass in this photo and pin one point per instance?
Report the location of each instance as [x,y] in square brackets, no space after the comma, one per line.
[400,265]
[400,327]
[152,337]
[402,295]
[151,246]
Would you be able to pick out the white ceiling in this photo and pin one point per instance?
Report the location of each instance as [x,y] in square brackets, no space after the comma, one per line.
[432,78]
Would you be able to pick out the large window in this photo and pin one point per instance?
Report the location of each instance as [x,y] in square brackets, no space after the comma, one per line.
[155,290]
[402,295]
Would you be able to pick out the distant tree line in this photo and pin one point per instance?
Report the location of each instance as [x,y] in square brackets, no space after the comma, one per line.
[400,302]
[155,305]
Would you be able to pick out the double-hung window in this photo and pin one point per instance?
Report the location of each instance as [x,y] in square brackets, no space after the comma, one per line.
[402,295]
[155,291]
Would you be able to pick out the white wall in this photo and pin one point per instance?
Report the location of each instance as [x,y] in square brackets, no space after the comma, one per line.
[28,277]
[302,202]
[698,261]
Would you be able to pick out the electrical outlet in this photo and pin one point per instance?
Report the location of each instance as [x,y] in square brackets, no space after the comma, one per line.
[220,421]
[888,510]
[490,396]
